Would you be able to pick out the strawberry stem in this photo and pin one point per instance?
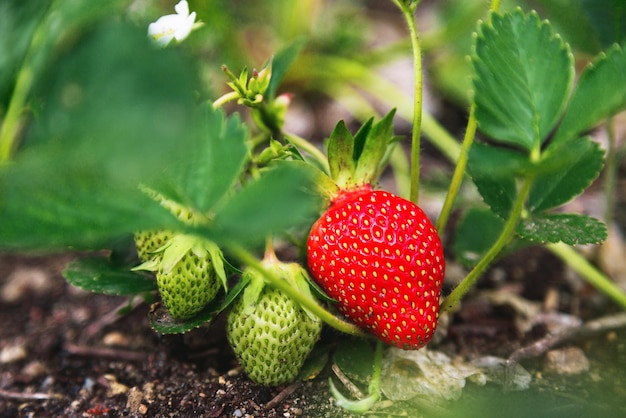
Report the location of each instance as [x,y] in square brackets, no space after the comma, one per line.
[589,272]
[459,173]
[12,123]
[461,164]
[307,303]
[408,10]
[505,237]
[363,405]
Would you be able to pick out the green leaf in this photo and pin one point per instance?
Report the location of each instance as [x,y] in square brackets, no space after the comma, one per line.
[600,93]
[477,231]
[488,161]
[340,154]
[162,322]
[523,74]
[608,19]
[588,25]
[564,173]
[355,357]
[18,20]
[499,193]
[569,228]
[281,63]
[214,161]
[110,122]
[278,200]
[99,274]
[376,143]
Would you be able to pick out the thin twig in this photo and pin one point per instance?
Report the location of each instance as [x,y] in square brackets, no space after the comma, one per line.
[282,395]
[108,319]
[26,396]
[588,329]
[347,382]
[110,353]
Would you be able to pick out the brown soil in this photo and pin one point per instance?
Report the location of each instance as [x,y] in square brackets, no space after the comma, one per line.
[65,355]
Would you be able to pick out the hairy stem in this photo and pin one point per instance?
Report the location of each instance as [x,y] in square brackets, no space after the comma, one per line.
[311,305]
[408,10]
[588,272]
[505,236]
[11,126]
[459,173]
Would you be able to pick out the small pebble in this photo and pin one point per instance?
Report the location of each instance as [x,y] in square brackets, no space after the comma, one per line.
[237,413]
[34,369]
[12,353]
[116,339]
[24,280]
[566,361]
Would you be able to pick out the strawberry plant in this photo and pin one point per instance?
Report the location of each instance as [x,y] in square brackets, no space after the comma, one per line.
[173,200]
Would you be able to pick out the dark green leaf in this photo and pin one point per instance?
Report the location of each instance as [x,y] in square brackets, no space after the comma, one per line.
[214,161]
[281,63]
[279,200]
[110,122]
[608,19]
[162,321]
[315,362]
[355,357]
[360,137]
[499,194]
[340,153]
[600,93]
[98,274]
[42,28]
[571,229]
[565,173]
[588,25]
[376,143]
[18,20]
[488,161]
[523,74]
[477,231]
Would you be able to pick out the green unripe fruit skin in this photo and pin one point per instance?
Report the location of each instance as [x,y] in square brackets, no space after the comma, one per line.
[273,340]
[188,287]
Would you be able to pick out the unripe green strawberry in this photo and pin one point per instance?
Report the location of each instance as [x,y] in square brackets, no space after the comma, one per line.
[148,242]
[269,332]
[189,275]
[380,258]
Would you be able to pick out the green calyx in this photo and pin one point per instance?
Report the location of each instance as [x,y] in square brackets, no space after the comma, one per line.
[357,160]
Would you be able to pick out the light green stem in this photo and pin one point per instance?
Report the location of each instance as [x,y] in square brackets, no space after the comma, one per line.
[505,237]
[610,172]
[248,259]
[11,126]
[336,71]
[228,97]
[459,173]
[310,149]
[591,275]
[408,10]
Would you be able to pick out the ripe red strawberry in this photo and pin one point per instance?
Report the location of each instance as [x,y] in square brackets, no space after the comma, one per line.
[380,258]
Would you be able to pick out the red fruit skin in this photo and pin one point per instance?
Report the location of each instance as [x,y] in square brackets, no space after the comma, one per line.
[379,256]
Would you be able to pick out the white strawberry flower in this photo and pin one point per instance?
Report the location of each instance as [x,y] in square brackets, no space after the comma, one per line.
[175,26]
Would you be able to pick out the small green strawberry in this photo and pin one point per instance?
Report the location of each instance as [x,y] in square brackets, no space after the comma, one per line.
[190,274]
[148,242]
[269,332]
